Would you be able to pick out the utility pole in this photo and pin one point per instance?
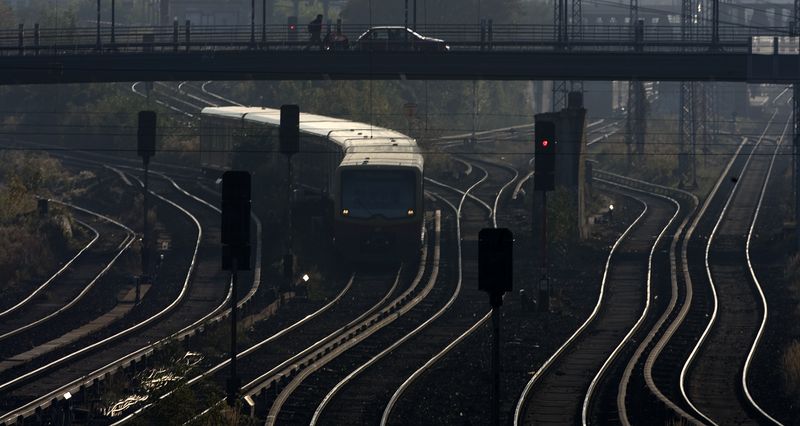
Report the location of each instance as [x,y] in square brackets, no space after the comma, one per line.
[146,149]
[796,139]
[686,126]
[263,21]
[415,15]
[252,23]
[576,16]
[113,21]
[559,25]
[405,20]
[637,99]
[98,26]
[715,25]
[289,145]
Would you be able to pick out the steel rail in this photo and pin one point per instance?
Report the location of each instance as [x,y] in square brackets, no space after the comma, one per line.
[675,324]
[265,380]
[645,312]
[350,335]
[177,99]
[48,398]
[66,265]
[246,352]
[715,299]
[425,367]
[123,247]
[164,104]
[216,95]
[751,353]
[623,387]
[197,98]
[339,332]
[324,360]
[275,409]
[549,362]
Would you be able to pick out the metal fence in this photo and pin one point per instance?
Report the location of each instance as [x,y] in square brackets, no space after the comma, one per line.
[185,36]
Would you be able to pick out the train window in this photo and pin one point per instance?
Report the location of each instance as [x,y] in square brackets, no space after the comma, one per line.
[372,193]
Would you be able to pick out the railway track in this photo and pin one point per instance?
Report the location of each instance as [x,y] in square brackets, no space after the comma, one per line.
[665,347]
[17,301]
[197,297]
[28,330]
[360,395]
[560,391]
[715,375]
[74,279]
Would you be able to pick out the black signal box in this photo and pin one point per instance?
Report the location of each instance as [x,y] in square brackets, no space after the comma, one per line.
[235,231]
[545,156]
[290,129]
[147,134]
[495,262]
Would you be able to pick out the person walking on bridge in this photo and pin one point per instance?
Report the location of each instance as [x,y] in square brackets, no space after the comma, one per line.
[315,29]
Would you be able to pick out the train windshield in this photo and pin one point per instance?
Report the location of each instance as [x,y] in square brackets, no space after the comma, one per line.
[371,193]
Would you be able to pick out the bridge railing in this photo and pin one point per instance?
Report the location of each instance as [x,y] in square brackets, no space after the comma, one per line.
[188,37]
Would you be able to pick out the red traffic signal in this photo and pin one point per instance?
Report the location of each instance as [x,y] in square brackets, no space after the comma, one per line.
[544,155]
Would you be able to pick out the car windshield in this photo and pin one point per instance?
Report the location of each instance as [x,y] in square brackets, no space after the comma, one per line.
[370,193]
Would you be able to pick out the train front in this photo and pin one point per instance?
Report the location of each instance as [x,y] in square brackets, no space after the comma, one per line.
[379,208]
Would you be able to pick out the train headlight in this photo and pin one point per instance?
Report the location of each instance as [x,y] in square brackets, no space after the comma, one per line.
[345,212]
[410,212]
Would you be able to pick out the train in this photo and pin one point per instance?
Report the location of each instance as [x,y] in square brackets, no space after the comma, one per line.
[371,177]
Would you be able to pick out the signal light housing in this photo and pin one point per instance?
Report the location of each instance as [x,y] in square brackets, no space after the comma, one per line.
[545,155]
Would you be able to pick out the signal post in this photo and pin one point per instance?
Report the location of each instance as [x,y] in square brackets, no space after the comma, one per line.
[289,145]
[544,181]
[235,239]
[146,148]
[495,276]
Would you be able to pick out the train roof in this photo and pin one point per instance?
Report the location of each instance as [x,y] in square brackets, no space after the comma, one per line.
[360,141]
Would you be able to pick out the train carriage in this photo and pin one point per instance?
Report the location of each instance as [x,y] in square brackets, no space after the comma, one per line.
[371,177]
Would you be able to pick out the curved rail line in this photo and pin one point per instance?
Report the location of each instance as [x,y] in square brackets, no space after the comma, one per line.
[663,342]
[129,239]
[220,311]
[246,352]
[695,351]
[345,336]
[457,210]
[521,402]
[45,400]
[645,312]
[66,265]
[425,367]
[763,325]
[628,372]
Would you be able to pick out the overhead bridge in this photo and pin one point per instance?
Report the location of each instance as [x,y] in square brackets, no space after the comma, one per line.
[763,55]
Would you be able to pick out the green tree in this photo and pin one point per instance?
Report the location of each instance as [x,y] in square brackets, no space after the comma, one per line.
[7,17]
